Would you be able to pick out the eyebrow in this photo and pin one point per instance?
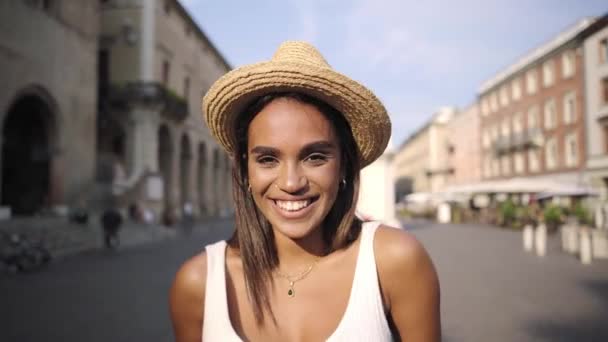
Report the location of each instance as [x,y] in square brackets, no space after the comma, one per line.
[264,150]
[314,146]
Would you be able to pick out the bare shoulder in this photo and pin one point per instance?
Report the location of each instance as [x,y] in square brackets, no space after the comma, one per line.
[395,247]
[403,263]
[187,298]
[192,275]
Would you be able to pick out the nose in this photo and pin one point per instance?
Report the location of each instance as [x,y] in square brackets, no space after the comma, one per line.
[291,178]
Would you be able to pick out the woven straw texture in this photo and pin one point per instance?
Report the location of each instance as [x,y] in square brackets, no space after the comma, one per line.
[298,67]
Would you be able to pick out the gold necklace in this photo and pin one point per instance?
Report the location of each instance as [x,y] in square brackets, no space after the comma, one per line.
[292,279]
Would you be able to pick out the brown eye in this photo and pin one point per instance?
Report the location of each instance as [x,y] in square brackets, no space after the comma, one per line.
[266,161]
[317,158]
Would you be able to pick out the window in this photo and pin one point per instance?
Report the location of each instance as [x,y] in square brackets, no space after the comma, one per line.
[533,161]
[494,133]
[568,64]
[505,128]
[495,167]
[605,129]
[518,122]
[166,70]
[604,88]
[486,139]
[550,116]
[604,50]
[571,149]
[551,154]
[533,119]
[47,5]
[570,108]
[516,89]
[504,96]
[484,106]
[531,81]
[505,165]
[548,73]
[487,167]
[519,163]
[493,102]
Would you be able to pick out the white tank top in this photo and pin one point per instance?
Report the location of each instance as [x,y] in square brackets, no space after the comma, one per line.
[363,320]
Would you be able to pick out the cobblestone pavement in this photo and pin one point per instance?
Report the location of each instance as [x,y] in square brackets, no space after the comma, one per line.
[494,291]
[101,295]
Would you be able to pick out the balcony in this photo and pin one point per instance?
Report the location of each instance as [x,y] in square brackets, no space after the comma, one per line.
[531,138]
[124,97]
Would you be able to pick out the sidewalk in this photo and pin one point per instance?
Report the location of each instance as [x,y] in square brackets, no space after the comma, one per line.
[65,238]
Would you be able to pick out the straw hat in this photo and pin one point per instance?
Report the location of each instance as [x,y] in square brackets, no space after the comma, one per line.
[298,67]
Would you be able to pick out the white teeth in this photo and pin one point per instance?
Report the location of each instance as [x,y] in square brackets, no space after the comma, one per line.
[292,205]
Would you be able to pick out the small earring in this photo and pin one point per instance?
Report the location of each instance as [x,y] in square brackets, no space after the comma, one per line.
[343,184]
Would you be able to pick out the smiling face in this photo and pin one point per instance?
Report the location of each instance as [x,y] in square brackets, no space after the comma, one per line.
[293,165]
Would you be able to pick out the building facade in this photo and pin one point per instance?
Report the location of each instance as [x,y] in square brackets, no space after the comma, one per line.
[463,142]
[155,64]
[48,103]
[595,48]
[532,122]
[422,162]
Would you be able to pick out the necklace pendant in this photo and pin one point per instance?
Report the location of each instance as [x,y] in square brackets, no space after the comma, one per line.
[291,292]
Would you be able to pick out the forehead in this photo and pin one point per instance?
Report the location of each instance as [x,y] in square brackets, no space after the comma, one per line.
[288,122]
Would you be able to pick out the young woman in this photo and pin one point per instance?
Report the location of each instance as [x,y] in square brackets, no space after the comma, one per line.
[300,265]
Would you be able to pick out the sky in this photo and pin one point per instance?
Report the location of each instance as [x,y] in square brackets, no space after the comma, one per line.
[416,56]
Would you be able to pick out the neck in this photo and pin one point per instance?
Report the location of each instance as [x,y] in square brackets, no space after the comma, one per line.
[297,254]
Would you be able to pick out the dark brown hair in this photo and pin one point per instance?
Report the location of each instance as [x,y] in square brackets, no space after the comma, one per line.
[254,236]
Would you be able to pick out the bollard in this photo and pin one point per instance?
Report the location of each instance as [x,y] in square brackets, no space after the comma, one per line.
[541,240]
[599,244]
[585,246]
[528,238]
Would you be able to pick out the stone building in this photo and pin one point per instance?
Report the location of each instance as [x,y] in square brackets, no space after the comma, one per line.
[155,64]
[595,52]
[421,162]
[48,97]
[532,115]
[463,142]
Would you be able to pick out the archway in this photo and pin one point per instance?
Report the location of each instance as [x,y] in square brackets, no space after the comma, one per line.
[185,165]
[202,173]
[28,131]
[165,156]
[403,186]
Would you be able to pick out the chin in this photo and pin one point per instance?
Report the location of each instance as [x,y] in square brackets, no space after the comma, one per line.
[296,230]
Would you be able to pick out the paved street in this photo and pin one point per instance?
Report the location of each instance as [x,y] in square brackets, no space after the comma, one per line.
[99,296]
[491,291]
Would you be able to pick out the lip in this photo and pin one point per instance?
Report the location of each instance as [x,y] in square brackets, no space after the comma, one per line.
[291,215]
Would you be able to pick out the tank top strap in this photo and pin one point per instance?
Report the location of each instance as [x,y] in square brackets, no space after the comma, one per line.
[366,277]
[216,315]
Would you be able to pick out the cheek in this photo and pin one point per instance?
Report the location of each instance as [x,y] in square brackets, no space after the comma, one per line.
[327,179]
[259,178]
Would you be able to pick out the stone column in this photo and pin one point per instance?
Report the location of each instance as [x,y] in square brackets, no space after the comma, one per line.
[147,32]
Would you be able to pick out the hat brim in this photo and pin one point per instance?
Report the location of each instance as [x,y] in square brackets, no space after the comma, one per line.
[230,95]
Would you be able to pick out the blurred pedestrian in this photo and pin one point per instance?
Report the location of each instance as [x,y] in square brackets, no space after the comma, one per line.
[301,265]
[111,220]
